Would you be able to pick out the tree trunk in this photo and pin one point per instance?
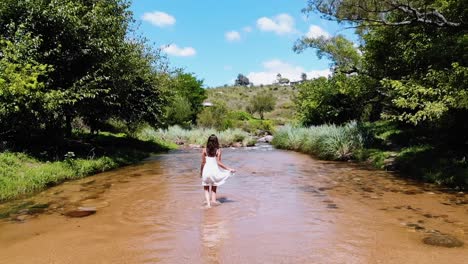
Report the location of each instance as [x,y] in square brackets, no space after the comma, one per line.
[68,126]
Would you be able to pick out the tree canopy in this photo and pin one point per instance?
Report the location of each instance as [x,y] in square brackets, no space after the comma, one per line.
[242,80]
[411,65]
[63,60]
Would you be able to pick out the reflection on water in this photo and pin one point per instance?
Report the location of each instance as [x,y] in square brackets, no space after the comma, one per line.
[214,231]
[280,207]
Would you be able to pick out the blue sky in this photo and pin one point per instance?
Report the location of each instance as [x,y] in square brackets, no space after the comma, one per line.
[216,40]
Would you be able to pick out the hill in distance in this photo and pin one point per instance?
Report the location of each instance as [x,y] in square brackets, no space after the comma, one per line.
[237,98]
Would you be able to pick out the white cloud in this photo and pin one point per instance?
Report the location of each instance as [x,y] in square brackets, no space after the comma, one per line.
[159,19]
[175,50]
[232,36]
[292,72]
[247,29]
[280,24]
[316,31]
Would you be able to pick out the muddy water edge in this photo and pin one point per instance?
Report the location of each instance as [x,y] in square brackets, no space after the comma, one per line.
[280,207]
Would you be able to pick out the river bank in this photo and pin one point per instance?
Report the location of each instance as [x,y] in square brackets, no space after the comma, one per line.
[41,166]
[382,145]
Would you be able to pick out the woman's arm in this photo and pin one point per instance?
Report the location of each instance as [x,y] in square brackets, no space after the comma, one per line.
[202,162]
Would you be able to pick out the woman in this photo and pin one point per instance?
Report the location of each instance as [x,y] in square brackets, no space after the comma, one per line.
[213,172]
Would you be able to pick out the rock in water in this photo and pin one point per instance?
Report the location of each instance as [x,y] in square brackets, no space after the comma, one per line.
[265,139]
[442,240]
[237,145]
[81,212]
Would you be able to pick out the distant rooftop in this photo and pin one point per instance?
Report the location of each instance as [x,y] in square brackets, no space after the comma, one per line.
[207,104]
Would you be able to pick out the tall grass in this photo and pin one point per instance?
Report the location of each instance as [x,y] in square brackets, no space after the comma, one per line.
[196,136]
[329,142]
[23,174]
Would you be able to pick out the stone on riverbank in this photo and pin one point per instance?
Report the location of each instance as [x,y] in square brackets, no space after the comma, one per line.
[266,139]
[81,212]
[442,240]
[237,145]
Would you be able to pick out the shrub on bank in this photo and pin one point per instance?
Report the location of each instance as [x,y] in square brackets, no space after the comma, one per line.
[325,141]
[197,136]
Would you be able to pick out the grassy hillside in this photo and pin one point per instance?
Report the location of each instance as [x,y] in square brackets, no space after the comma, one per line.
[238,97]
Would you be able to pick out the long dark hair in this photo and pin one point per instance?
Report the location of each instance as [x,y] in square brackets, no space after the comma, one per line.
[212,145]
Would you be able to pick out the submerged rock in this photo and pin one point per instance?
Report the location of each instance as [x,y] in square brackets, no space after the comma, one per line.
[81,212]
[442,240]
[266,139]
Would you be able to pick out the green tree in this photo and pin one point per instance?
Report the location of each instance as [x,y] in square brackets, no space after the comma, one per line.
[179,111]
[415,53]
[242,80]
[215,116]
[24,101]
[186,87]
[261,103]
[337,99]
[438,13]
[344,56]
[95,70]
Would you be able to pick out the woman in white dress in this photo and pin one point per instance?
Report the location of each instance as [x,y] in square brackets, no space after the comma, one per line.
[213,172]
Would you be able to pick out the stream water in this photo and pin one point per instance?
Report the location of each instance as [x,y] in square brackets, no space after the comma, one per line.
[280,207]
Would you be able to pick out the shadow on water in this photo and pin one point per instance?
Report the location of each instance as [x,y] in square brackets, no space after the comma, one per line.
[225,200]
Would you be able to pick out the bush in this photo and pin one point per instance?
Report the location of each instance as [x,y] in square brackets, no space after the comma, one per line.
[239,115]
[214,117]
[197,136]
[326,141]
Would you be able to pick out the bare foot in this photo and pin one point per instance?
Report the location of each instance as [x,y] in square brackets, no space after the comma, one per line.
[215,203]
[207,206]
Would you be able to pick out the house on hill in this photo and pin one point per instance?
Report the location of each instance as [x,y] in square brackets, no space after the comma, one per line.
[207,104]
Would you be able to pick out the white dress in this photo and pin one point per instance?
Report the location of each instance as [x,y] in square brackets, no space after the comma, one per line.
[212,174]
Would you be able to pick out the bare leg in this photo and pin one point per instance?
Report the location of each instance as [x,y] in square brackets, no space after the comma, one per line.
[207,196]
[213,195]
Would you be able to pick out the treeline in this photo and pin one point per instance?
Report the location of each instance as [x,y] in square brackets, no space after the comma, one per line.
[410,67]
[74,63]
[407,78]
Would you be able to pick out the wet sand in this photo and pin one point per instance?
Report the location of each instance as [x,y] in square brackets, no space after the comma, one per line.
[280,207]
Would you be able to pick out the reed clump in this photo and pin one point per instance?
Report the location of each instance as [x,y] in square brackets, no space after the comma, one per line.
[328,141]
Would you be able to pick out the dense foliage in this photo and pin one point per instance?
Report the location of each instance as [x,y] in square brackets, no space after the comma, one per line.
[411,66]
[69,60]
[187,95]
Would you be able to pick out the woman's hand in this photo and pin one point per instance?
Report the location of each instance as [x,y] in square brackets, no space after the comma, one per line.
[232,170]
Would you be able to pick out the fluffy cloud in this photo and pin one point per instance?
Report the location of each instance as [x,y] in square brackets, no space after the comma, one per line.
[316,31]
[280,24]
[232,36]
[159,19]
[175,50]
[292,72]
